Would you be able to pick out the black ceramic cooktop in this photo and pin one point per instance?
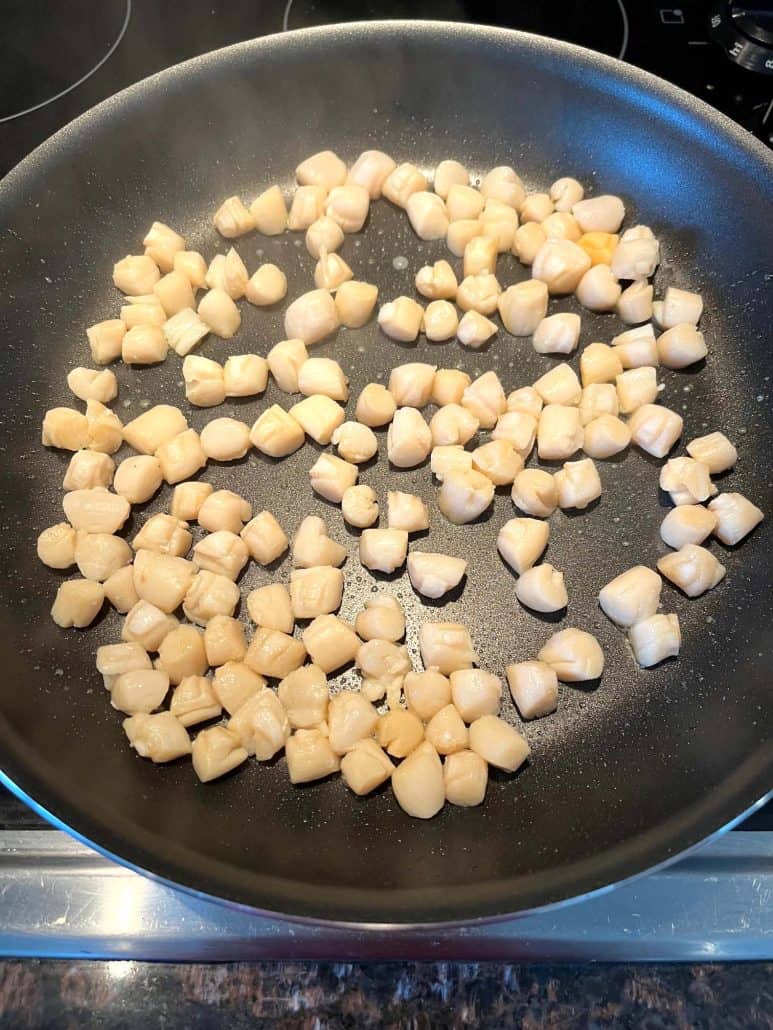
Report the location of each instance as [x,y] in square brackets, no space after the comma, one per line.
[58,60]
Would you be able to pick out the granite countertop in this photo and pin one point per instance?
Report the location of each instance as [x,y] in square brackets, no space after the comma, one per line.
[311,996]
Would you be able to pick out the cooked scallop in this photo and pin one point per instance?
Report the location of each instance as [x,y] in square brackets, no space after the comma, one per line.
[437,282]
[319,416]
[687,524]
[215,752]
[310,756]
[715,451]
[485,399]
[559,386]
[559,434]
[270,607]
[498,460]
[383,550]
[446,731]
[324,169]
[222,552]
[687,481]
[269,212]
[523,306]
[654,639]
[452,458]
[655,429]
[56,546]
[535,492]
[527,241]
[574,655]
[331,477]
[736,517]
[77,603]
[418,782]
[265,538]
[311,317]
[312,546]
[409,438]
[433,575]
[599,364]
[316,591]
[534,688]
[406,511]
[193,701]
[426,693]
[427,214]
[371,170]
[402,182]
[381,619]
[479,293]
[519,429]
[499,743]
[605,436]
[375,406]
[635,303]
[632,596]
[465,775]
[355,302]
[350,718]
[693,569]
[465,495]
[245,375]
[446,646]
[560,264]
[277,433]
[525,399]
[348,206]
[521,541]
[542,589]
[636,387]
[401,319]
[261,725]
[225,439]
[599,214]
[304,694]
[88,469]
[475,692]
[578,484]
[598,399]
[557,334]
[210,594]
[161,737]
[359,506]
[365,766]
[274,654]
[284,361]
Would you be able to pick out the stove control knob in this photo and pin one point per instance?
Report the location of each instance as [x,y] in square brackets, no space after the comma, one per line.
[745,32]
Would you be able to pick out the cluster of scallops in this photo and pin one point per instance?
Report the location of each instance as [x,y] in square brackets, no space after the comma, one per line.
[441,724]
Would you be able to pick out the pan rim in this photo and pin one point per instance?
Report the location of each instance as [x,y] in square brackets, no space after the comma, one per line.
[359,897]
[718,816]
[619,69]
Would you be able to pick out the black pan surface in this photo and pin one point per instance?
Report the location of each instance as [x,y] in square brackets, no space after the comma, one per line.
[625,775]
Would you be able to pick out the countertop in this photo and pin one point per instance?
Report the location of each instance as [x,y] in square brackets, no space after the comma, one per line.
[113,995]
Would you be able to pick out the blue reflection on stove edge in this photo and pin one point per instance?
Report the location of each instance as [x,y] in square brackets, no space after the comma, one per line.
[55,821]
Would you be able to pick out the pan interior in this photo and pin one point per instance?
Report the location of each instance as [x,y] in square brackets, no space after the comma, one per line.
[624,774]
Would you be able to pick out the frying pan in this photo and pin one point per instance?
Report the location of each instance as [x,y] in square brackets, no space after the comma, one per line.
[630,771]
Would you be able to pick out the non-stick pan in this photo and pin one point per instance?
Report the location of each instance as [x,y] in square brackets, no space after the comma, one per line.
[630,771]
